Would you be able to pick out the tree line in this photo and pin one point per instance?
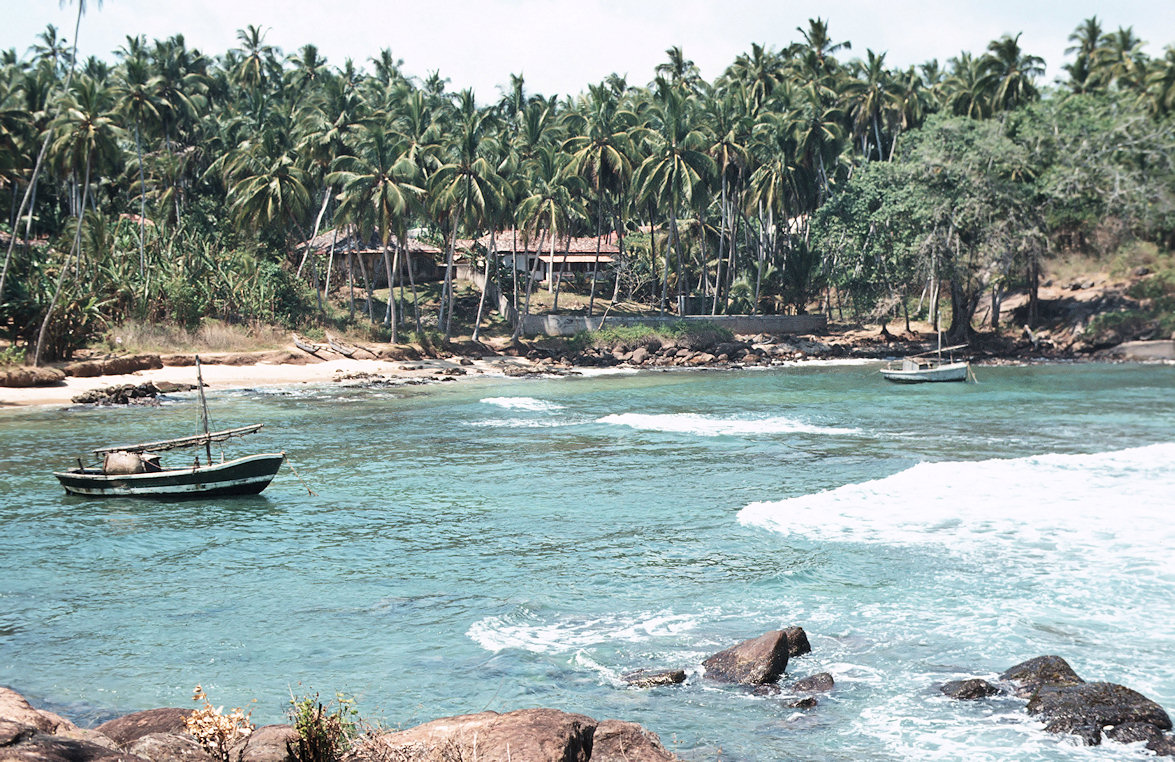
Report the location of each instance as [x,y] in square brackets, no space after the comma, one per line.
[171,185]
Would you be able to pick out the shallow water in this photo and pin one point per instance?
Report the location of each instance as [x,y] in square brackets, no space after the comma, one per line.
[506,543]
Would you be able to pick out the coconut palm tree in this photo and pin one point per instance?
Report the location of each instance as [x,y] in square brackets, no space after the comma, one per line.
[600,153]
[677,166]
[135,98]
[378,192]
[1011,73]
[467,188]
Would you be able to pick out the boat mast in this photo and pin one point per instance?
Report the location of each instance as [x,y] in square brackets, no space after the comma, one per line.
[203,411]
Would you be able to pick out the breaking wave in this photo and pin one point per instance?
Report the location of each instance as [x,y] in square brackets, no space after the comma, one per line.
[713,426]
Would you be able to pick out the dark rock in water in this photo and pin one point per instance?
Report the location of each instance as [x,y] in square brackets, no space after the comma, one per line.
[821,682]
[268,743]
[770,689]
[650,679]
[1132,732]
[1089,734]
[807,702]
[126,394]
[752,662]
[170,747]
[1162,746]
[1050,671]
[968,690]
[1071,709]
[129,728]
[618,741]
[797,642]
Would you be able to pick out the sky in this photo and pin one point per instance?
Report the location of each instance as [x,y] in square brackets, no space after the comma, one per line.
[561,46]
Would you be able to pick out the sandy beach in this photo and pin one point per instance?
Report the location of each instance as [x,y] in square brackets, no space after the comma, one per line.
[223,376]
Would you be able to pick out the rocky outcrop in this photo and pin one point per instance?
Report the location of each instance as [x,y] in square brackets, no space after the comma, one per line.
[170,747]
[1058,697]
[752,662]
[1043,671]
[42,747]
[129,394]
[821,682]
[268,743]
[968,690]
[654,678]
[1087,709]
[797,642]
[113,366]
[16,709]
[618,741]
[24,376]
[526,735]
[129,728]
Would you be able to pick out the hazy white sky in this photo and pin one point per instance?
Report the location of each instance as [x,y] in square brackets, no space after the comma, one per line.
[561,46]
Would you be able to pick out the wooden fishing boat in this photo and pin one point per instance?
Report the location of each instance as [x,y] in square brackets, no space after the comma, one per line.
[134,470]
[920,369]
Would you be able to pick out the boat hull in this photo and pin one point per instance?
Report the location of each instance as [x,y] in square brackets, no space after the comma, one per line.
[956,371]
[243,476]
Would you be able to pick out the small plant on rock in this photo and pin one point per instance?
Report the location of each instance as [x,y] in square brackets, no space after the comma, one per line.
[216,731]
[324,731]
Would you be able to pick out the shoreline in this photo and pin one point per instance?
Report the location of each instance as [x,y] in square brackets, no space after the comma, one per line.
[289,367]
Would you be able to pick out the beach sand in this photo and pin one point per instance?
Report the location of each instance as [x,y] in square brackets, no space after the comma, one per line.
[263,374]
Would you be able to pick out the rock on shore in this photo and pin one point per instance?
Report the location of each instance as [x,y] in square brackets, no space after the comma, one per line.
[28,734]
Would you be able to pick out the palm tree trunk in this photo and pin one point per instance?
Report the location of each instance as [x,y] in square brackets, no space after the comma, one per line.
[485,286]
[390,310]
[75,248]
[142,199]
[448,300]
[317,222]
[29,191]
[596,263]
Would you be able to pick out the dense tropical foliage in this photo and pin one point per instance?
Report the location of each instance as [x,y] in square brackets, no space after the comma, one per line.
[172,185]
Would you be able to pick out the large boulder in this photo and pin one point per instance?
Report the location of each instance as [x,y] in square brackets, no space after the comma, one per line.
[15,708]
[25,376]
[526,735]
[1088,708]
[129,728]
[1043,671]
[752,662]
[170,747]
[268,743]
[618,741]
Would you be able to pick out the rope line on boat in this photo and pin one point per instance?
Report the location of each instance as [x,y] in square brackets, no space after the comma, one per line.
[299,477]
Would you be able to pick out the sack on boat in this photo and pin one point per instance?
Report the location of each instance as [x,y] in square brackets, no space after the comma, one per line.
[122,463]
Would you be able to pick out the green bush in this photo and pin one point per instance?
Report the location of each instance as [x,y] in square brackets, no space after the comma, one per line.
[324,731]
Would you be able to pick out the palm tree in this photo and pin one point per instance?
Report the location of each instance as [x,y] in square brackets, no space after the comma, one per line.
[600,154]
[677,166]
[1088,37]
[135,99]
[550,207]
[88,139]
[967,89]
[868,96]
[252,70]
[467,188]
[378,191]
[1011,73]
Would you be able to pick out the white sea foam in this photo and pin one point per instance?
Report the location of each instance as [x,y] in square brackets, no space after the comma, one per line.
[1114,502]
[713,426]
[522,423]
[523,403]
[527,632]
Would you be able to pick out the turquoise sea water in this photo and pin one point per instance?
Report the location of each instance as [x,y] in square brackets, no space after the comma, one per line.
[498,544]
